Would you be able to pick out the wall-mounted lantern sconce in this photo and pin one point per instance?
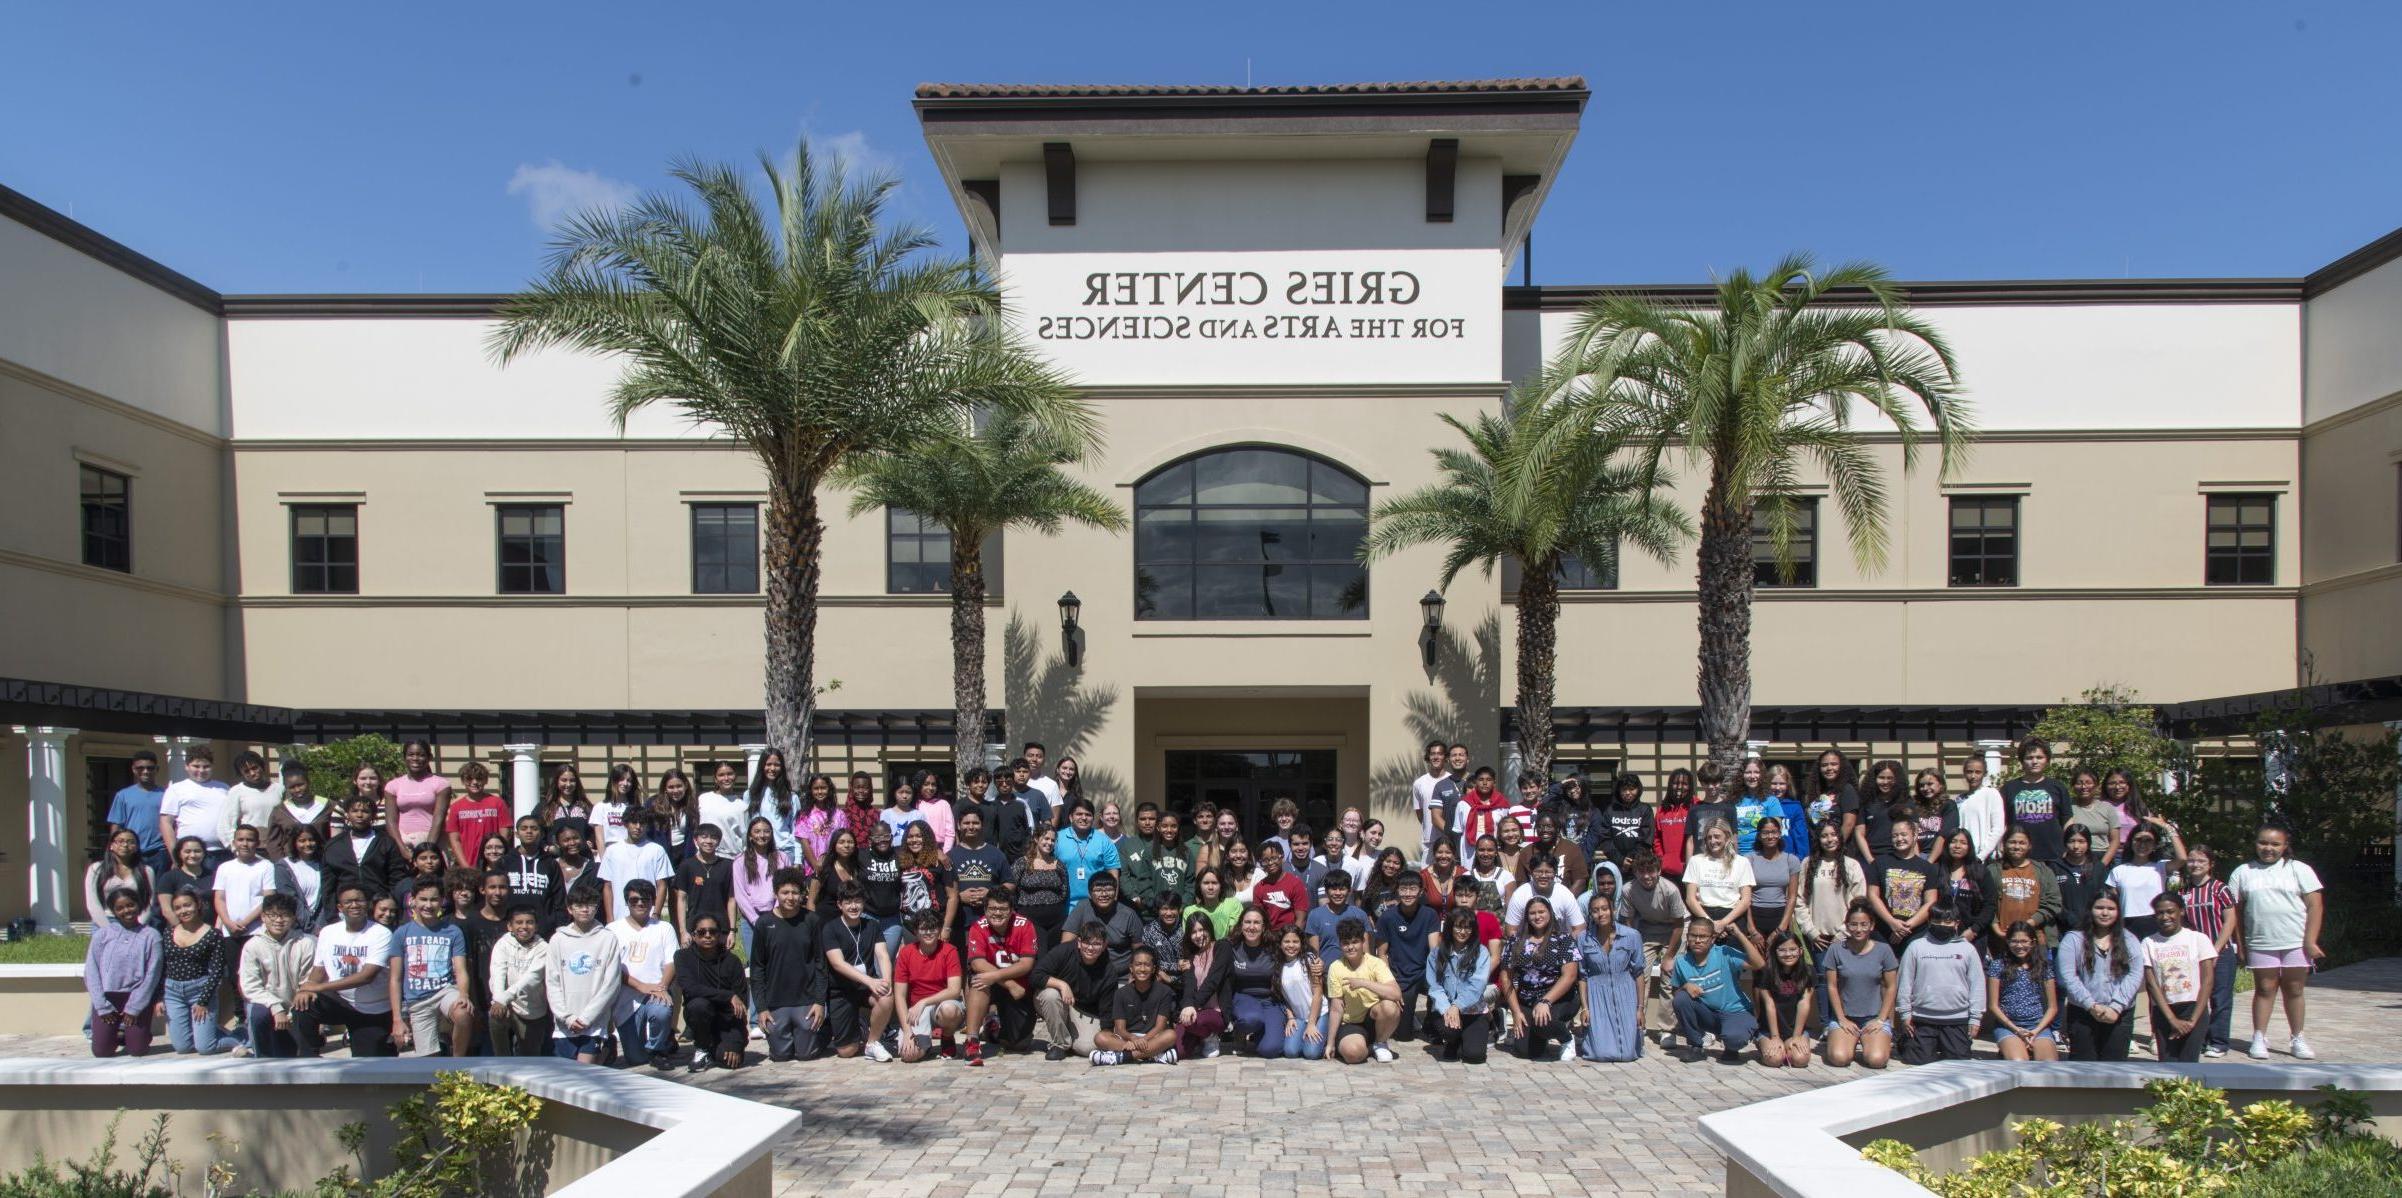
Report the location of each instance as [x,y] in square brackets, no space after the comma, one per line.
[1428,641]
[1071,638]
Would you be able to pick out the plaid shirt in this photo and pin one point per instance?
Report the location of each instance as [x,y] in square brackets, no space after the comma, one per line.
[2206,907]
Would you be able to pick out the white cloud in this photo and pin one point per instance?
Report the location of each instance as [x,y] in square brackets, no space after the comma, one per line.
[554,191]
[860,159]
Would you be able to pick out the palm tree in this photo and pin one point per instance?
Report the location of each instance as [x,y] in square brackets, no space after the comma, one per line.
[1589,505]
[976,482]
[1775,376]
[807,329]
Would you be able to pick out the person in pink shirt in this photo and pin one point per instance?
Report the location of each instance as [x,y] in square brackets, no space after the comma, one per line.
[418,800]
[755,870]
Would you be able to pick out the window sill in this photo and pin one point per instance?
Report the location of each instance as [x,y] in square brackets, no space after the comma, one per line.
[1224,629]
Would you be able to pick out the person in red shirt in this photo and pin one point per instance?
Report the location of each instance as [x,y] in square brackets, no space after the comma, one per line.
[1482,807]
[1488,928]
[1670,824]
[1001,949]
[475,813]
[1278,895]
[926,978]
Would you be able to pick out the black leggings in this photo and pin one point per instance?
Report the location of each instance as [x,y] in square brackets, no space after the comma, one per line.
[1469,1042]
[2090,1039]
[1543,1043]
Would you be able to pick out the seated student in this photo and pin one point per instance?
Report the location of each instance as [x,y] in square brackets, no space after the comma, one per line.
[1403,933]
[1001,949]
[859,985]
[1142,1017]
[580,977]
[1308,1026]
[272,966]
[645,1015]
[1456,983]
[712,983]
[1538,982]
[428,973]
[788,973]
[515,976]
[122,973]
[1785,999]
[1860,981]
[1658,907]
[2021,996]
[1203,1014]
[927,988]
[1072,985]
[1367,1000]
[2178,965]
[1709,995]
[1942,993]
[346,984]
[1119,921]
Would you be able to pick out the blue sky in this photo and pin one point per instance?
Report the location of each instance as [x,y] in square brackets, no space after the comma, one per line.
[352,147]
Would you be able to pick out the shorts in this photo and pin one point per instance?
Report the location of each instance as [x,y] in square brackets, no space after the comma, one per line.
[947,1009]
[1361,1030]
[567,1046]
[844,1024]
[1866,1026]
[1998,1033]
[2292,958]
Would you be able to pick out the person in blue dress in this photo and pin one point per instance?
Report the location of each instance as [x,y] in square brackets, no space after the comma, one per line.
[1610,966]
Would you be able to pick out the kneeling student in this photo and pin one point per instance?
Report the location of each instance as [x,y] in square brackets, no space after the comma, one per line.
[1142,1017]
[925,981]
[712,983]
[1942,991]
[272,966]
[1369,1000]
[517,975]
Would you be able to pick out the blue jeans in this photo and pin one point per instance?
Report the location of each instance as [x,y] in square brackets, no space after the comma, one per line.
[186,1033]
[1295,1044]
[649,1032]
[2222,997]
[265,1038]
[1253,1017]
[571,1045]
[1734,1029]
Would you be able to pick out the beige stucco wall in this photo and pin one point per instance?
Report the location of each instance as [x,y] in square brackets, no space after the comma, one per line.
[2352,542]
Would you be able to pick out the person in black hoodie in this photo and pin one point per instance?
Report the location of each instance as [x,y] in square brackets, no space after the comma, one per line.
[575,863]
[373,862]
[789,971]
[1072,984]
[1622,827]
[712,982]
[533,876]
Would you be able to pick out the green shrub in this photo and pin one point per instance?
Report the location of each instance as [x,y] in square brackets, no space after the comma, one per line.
[2353,1167]
[333,764]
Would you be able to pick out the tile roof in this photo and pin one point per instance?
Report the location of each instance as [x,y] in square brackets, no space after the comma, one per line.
[993,91]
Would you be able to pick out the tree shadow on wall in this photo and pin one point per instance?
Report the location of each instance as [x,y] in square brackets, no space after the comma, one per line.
[1048,700]
[1462,703]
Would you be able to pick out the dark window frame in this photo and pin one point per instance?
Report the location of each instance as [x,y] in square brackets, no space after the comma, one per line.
[1805,548]
[2240,564]
[1986,567]
[925,536]
[325,574]
[502,537]
[105,547]
[1306,564]
[1576,574]
[730,570]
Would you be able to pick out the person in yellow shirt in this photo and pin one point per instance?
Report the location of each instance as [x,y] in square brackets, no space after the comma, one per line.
[1364,991]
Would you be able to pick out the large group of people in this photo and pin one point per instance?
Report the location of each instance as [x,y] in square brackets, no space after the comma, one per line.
[1856,913]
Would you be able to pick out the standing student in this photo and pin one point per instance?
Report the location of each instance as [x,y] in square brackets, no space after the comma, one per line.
[2036,801]
[252,798]
[1544,884]
[362,855]
[2177,967]
[2101,967]
[1482,807]
[788,972]
[753,876]
[1136,876]
[2099,819]
[1610,962]
[2022,997]
[1042,885]
[194,963]
[486,923]
[1938,815]
[634,857]
[533,875]
[1833,797]
[192,873]
[1792,814]
[120,869]
[195,804]
[1672,824]
[300,808]
[1752,804]
[564,802]
[620,796]
[1981,809]
[1882,793]
[2210,910]
[674,814]
[2283,906]
[1431,796]
[1709,992]
[576,866]
[1082,850]
[2024,891]
[1660,914]
[1861,981]
[427,975]
[346,984]
[473,814]
[1941,997]
[135,808]
[977,870]
[1538,982]
[1962,880]
[1785,1001]
[711,981]
[122,973]
[1034,754]
[1380,888]
[1623,826]
[1280,896]
[1713,803]
[1322,928]
[2145,871]
[1831,882]
[1718,881]
[1772,873]
[1142,1015]
[704,885]
[269,975]
[240,884]
[645,1011]
[725,805]
[1901,885]
[419,798]
[1211,900]
[581,975]
[2080,876]
[516,975]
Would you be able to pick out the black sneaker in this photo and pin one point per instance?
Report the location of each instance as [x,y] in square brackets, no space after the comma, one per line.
[1057,1052]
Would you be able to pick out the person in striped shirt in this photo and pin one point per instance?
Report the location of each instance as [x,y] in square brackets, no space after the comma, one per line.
[2210,909]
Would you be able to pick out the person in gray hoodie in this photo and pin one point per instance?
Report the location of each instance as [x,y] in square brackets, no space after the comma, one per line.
[580,978]
[1942,992]
[269,972]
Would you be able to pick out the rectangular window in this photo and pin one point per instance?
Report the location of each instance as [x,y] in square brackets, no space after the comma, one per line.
[1765,572]
[107,520]
[725,549]
[1577,575]
[2242,541]
[1985,541]
[917,554]
[533,549]
[325,549]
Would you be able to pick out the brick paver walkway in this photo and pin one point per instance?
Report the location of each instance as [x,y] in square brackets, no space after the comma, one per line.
[1246,1128]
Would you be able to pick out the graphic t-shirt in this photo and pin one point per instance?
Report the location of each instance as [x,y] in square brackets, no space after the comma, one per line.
[1283,901]
[1668,837]
[2018,894]
[977,869]
[423,957]
[705,887]
[341,953]
[1002,949]
[473,819]
[646,952]
[880,883]
[2177,961]
[2042,807]
[1906,881]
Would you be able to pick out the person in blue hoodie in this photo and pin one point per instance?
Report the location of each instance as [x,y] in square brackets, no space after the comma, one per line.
[1610,968]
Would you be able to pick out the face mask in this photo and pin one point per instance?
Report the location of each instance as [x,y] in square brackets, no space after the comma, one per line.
[1941,934]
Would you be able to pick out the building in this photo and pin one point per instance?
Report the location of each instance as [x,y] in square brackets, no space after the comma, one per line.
[265,519]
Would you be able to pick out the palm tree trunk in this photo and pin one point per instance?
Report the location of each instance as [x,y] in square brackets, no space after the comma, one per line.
[1724,618]
[1538,665]
[967,652]
[795,545]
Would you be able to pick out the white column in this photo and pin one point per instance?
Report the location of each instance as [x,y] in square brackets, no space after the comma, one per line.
[172,750]
[1992,749]
[1756,750]
[750,762]
[525,777]
[46,824]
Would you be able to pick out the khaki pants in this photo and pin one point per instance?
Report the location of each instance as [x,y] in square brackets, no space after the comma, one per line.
[1063,1024]
[1659,1009]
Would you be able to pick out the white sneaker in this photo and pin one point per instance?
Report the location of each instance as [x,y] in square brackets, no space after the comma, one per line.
[1165,1058]
[1102,1056]
[1209,1048]
[877,1052]
[2214,1051]
[2301,1049]
[1384,1052]
[1568,1051]
[2260,1047]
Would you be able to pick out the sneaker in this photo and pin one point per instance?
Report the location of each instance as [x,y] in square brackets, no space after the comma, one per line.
[925,1044]
[700,1061]
[972,1052]
[1102,1056]
[2215,1050]
[2301,1049]
[758,1033]
[1057,1052]
[1209,1048]
[662,1062]
[1165,1058]
[2260,1047]
[1568,1051]
[992,1029]
[877,1052]
[1384,1053]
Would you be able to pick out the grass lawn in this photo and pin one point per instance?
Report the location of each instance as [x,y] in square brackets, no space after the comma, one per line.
[64,949]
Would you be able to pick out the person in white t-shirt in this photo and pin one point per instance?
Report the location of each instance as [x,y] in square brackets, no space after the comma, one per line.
[346,986]
[195,806]
[1983,815]
[634,858]
[1432,800]
[645,1009]
[254,795]
[1036,779]
[2281,904]
[727,806]
[242,884]
[2177,966]
[1543,883]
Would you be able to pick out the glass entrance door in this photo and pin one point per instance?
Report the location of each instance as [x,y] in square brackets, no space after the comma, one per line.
[1250,781]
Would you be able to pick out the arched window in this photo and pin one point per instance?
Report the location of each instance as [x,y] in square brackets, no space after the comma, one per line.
[1251,533]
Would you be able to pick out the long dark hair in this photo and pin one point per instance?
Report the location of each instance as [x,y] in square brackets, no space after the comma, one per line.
[782,789]
[108,864]
[2037,968]
[1901,784]
[623,779]
[1450,959]
[1809,883]
[1669,792]
[2094,932]
[750,850]
[551,803]
[2135,805]
[1776,975]
[1845,778]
